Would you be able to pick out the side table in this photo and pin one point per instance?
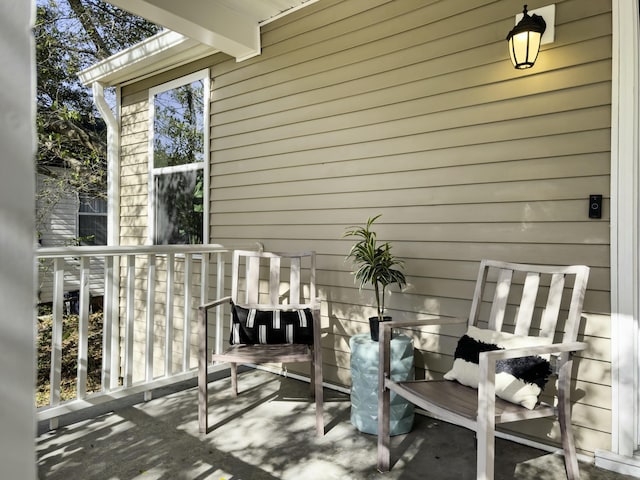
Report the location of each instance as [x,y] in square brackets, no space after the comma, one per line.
[364,383]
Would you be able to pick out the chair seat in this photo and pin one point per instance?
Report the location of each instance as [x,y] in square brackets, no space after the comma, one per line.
[265,353]
[458,403]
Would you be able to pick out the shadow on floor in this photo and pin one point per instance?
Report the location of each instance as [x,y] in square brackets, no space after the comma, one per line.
[266,433]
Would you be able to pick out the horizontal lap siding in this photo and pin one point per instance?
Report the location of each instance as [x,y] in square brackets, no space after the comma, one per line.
[134,173]
[413,110]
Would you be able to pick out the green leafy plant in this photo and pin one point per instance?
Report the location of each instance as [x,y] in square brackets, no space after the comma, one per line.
[373,262]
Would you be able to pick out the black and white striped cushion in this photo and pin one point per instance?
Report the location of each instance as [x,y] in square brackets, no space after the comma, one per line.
[518,380]
[251,326]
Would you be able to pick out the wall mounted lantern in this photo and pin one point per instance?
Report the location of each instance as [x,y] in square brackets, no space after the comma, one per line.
[524,40]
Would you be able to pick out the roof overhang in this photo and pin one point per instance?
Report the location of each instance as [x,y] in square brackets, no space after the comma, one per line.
[211,22]
[195,29]
[160,52]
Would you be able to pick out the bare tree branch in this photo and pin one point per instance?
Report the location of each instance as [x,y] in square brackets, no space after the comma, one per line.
[103,50]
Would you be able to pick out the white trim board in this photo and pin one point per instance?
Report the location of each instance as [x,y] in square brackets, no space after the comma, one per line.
[625,212]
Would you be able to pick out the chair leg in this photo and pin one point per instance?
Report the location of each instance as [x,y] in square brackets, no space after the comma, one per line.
[384,433]
[318,394]
[564,418]
[486,453]
[384,400]
[486,420]
[234,378]
[312,380]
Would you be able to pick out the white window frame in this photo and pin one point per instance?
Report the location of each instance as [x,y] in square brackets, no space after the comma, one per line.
[203,75]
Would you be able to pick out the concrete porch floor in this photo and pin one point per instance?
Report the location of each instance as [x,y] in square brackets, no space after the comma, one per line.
[267,433]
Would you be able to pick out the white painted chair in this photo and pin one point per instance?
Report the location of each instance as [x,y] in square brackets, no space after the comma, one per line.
[556,316]
[267,308]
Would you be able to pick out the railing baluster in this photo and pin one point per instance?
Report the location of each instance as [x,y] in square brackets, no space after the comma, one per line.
[204,278]
[219,294]
[129,319]
[107,324]
[56,336]
[188,287]
[150,330]
[168,341]
[83,327]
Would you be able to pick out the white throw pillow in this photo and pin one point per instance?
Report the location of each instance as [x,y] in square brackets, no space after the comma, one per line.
[518,380]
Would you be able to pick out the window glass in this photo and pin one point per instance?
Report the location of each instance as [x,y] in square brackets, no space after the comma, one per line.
[178,208]
[177,163]
[178,125]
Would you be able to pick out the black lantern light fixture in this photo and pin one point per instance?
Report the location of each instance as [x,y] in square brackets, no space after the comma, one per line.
[524,40]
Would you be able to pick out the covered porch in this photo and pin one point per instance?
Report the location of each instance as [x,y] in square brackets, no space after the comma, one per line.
[267,433]
[535,167]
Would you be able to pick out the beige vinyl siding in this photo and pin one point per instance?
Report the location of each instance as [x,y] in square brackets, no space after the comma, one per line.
[134,174]
[412,109]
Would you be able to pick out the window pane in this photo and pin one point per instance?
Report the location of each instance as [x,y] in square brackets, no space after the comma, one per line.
[92,205]
[178,126]
[178,209]
[92,229]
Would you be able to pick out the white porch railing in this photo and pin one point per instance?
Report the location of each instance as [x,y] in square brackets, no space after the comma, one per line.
[151,294]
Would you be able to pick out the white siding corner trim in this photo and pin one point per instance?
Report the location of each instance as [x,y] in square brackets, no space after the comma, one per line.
[625,212]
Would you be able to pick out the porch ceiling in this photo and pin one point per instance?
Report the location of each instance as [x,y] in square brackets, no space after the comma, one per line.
[229,26]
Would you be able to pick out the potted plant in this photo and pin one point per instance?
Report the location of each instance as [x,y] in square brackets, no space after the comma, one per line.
[374,264]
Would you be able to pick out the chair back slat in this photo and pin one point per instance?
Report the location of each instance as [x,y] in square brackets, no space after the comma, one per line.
[252,292]
[294,281]
[577,299]
[274,280]
[561,282]
[259,278]
[500,297]
[478,293]
[527,303]
[235,277]
[551,312]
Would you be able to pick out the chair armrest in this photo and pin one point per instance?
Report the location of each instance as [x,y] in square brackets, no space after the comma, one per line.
[214,303]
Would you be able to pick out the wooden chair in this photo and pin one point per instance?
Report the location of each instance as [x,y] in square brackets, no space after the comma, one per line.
[257,276]
[479,409]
